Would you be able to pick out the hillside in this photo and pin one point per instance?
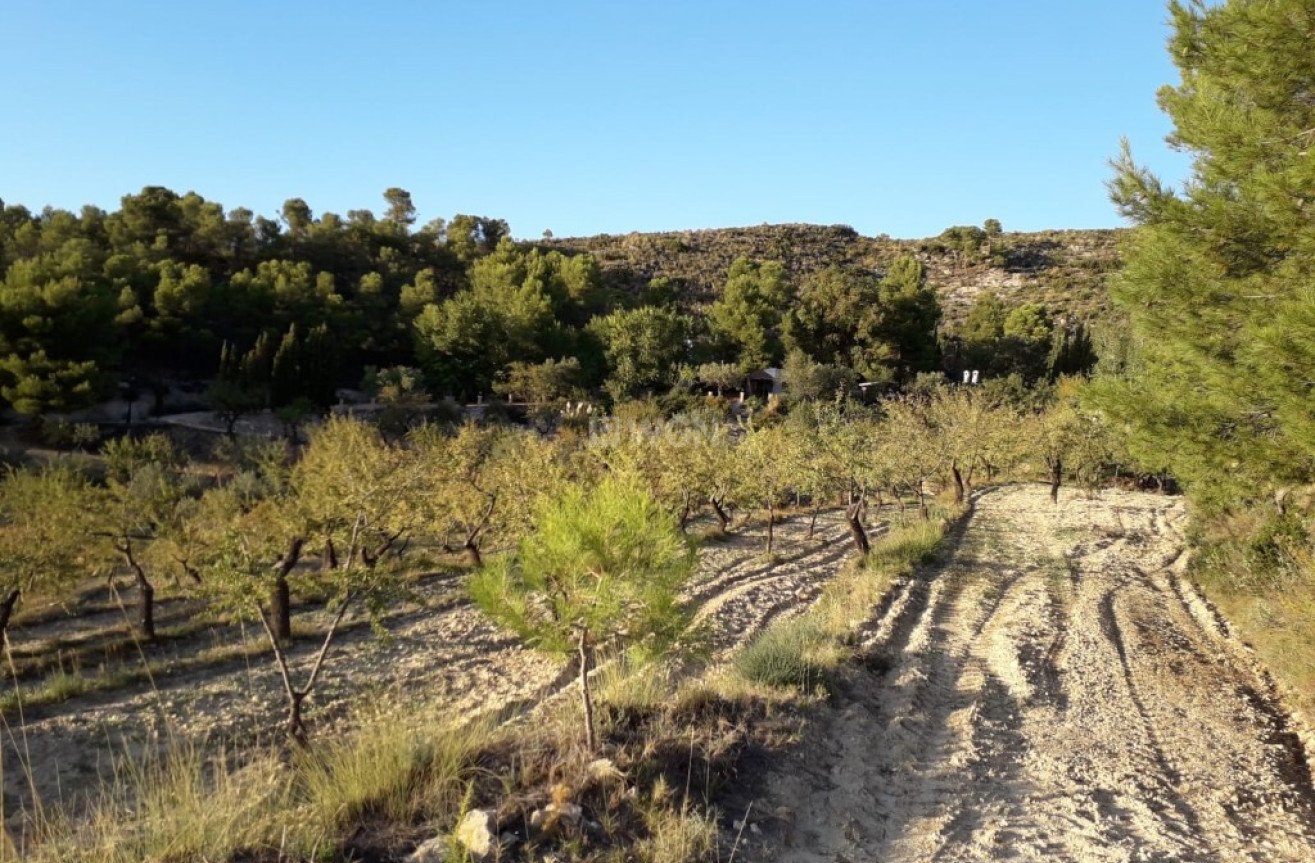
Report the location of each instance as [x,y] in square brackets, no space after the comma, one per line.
[1065,270]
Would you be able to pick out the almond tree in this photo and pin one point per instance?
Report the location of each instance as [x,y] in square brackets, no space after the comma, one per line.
[972,430]
[146,486]
[764,461]
[1070,440]
[352,488]
[43,522]
[463,488]
[918,452]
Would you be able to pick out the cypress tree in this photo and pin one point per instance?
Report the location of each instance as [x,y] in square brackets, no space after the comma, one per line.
[286,377]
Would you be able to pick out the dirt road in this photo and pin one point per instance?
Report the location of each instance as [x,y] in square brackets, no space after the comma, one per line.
[1055,692]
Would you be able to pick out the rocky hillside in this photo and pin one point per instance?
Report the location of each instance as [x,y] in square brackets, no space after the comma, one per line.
[1065,270]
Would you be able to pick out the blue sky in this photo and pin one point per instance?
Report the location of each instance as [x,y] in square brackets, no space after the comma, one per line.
[587,117]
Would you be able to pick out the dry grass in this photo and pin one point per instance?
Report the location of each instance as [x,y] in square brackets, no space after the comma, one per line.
[1261,576]
[187,805]
[803,651]
[396,781]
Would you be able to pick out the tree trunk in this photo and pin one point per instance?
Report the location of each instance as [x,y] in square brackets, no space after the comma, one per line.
[280,608]
[922,502]
[771,524]
[329,559]
[591,741]
[856,530]
[7,610]
[296,726]
[721,514]
[280,602]
[812,522]
[1056,477]
[685,511]
[473,557]
[146,623]
[958,482]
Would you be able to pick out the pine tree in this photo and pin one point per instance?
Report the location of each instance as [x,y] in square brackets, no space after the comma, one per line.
[1219,280]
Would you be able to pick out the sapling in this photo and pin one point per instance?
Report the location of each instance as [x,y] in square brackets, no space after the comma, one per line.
[603,566]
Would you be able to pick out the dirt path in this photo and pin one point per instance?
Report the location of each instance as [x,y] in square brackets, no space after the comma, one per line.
[1055,693]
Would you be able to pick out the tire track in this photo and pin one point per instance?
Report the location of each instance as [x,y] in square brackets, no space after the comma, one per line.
[1056,693]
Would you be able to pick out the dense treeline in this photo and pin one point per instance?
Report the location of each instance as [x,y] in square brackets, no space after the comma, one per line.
[281,313]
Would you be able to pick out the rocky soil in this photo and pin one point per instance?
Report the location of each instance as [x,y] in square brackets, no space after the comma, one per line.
[1056,692]
[439,652]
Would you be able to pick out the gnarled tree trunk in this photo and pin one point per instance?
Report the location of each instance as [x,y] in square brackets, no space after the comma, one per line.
[722,517]
[146,619]
[854,515]
[280,602]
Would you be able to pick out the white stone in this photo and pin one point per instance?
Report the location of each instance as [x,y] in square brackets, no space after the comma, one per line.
[431,851]
[476,833]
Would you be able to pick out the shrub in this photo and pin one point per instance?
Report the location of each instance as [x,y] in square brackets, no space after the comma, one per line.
[784,655]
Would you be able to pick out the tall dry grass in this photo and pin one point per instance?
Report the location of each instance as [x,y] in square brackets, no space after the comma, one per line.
[802,651]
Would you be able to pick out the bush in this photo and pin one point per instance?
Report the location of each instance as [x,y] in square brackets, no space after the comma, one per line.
[784,655]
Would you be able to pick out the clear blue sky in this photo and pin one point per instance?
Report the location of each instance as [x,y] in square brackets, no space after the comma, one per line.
[587,117]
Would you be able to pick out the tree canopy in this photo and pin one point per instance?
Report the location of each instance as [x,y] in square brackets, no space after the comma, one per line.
[1218,274]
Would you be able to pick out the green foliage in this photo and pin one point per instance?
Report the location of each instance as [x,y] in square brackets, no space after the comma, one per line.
[910,313]
[884,329]
[784,655]
[1025,339]
[607,561]
[514,311]
[965,241]
[720,376]
[807,380]
[36,384]
[43,521]
[154,290]
[1218,275]
[748,315]
[401,393]
[541,382]
[835,318]
[643,348]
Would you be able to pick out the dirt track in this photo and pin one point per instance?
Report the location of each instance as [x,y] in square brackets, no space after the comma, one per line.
[1055,692]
